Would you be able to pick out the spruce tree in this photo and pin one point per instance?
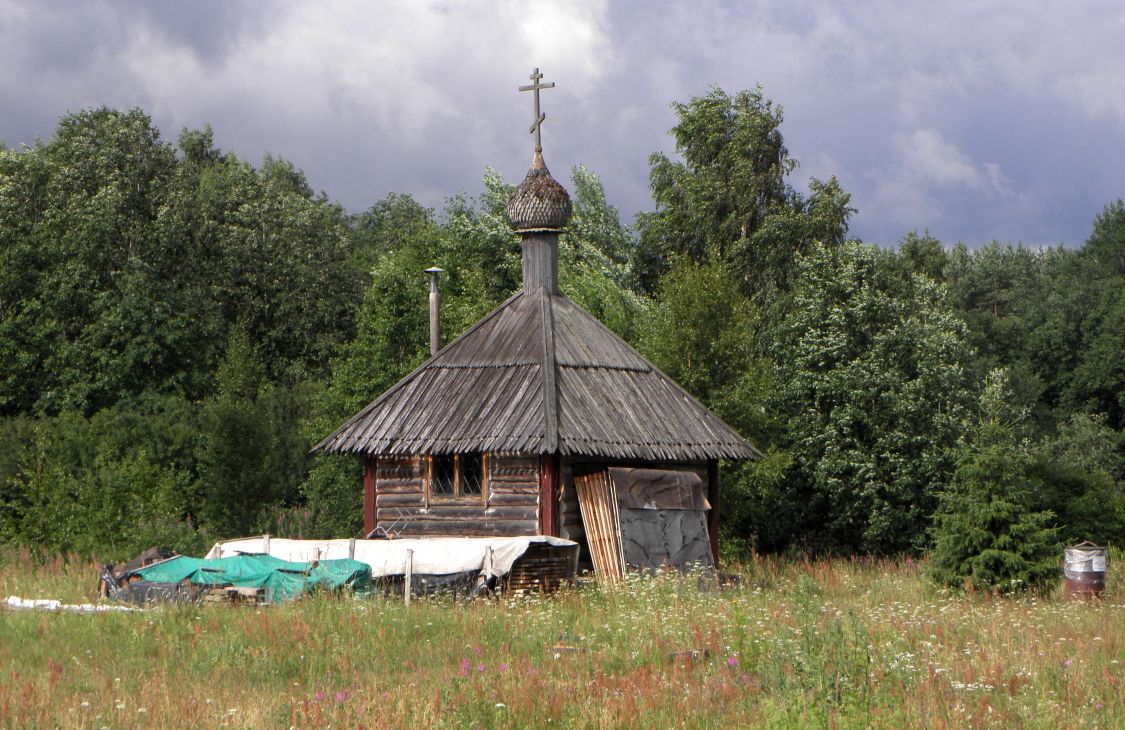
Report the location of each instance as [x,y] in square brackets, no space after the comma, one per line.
[986,537]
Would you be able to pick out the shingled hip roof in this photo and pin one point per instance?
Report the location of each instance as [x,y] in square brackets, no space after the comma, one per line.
[539,375]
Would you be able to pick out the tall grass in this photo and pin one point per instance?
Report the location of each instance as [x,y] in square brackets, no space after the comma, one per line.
[796,644]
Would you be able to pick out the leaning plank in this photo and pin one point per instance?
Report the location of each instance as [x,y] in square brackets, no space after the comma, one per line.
[598,505]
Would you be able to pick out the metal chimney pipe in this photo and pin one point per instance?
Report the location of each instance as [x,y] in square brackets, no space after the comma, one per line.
[435,310]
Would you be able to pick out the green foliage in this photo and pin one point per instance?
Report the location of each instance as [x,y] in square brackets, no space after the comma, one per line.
[110,485]
[1078,475]
[729,197]
[871,364]
[700,330]
[1098,380]
[246,457]
[924,254]
[123,268]
[594,258]
[178,326]
[986,536]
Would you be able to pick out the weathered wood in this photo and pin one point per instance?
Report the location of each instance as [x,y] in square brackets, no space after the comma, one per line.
[603,524]
[713,515]
[536,372]
[409,578]
[370,469]
[548,502]
[510,484]
[399,485]
[509,464]
[542,569]
[397,467]
[445,528]
[529,499]
[514,487]
[463,512]
[400,500]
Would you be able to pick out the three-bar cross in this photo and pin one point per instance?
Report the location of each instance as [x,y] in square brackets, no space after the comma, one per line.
[535,86]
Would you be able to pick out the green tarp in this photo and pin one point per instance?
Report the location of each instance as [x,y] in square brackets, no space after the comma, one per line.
[281,580]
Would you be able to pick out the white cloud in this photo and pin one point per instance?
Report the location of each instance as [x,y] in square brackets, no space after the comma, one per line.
[926,169]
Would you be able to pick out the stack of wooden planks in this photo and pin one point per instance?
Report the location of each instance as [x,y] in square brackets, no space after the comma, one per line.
[597,499]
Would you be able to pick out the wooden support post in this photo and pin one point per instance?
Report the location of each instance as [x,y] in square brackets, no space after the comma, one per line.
[409,575]
[266,544]
[548,500]
[369,464]
[713,516]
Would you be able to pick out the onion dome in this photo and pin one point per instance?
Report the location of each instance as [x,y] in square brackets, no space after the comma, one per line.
[539,203]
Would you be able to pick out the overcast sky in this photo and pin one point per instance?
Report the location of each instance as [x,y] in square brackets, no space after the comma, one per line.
[988,120]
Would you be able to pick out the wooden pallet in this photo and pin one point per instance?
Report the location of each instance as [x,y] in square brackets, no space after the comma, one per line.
[542,569]
[233,596]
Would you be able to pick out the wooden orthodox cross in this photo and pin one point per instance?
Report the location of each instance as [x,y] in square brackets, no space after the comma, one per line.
[535,86]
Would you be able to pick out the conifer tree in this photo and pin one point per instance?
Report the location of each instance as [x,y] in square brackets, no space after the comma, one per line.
[985,535]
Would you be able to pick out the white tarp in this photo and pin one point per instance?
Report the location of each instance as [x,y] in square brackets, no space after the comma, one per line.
[493,556]
[50,604]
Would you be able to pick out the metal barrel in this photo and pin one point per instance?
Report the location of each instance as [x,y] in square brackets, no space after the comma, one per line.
[1084,568]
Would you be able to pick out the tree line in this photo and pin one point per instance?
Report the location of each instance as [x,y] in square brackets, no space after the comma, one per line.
[178,327]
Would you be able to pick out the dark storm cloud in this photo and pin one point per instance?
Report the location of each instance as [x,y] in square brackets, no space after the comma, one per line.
[977,122]
[208,27]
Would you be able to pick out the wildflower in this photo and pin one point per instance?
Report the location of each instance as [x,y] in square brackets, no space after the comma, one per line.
[503,667]
[480,668]
[732,662]
[341,695]
[466,665]
[500,705]
[319,696]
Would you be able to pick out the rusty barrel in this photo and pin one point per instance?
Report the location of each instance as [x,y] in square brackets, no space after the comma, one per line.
[1084,568]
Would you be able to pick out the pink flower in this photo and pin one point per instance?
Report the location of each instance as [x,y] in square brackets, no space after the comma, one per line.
[466,665]
[503,667]
[341,696]
[732,662]
[480,667]
[319,696]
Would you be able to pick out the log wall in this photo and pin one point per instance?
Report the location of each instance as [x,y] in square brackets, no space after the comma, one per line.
[508,507]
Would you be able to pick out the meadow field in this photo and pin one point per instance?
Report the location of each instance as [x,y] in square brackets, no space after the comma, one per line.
[832,643]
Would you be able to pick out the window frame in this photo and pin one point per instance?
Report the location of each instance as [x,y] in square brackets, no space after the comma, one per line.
[457,496]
